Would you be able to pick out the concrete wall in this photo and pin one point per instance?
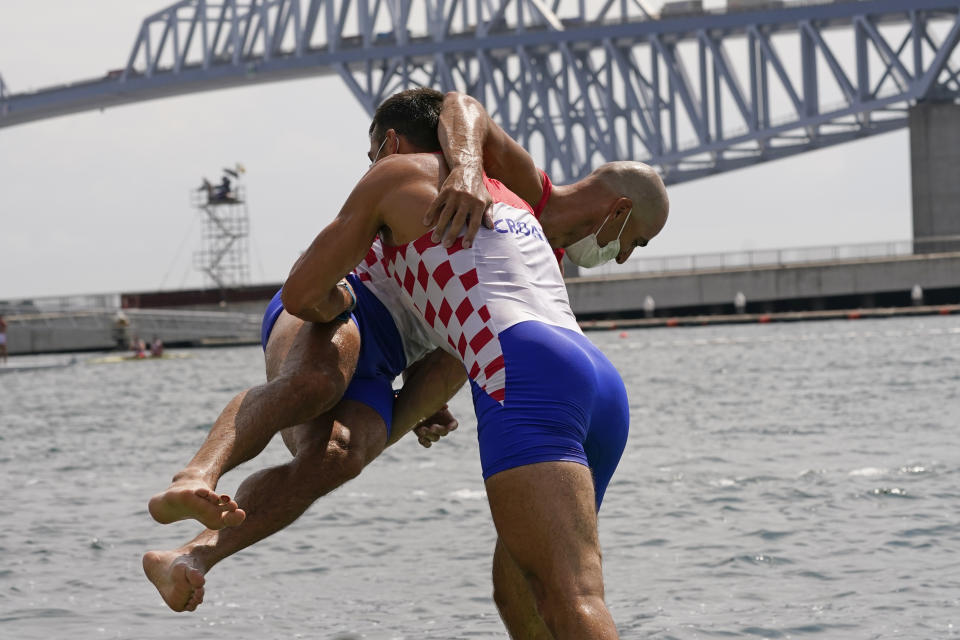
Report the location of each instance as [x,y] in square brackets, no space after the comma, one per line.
[98,330]
[935,172]
[625,294]
[51,333]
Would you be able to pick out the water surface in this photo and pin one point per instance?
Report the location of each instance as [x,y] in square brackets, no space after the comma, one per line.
[781,481]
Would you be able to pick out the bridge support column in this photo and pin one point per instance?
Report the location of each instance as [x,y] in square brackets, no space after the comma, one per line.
[935,172]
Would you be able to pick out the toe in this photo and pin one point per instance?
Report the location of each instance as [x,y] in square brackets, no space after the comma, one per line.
[233,518]
[195,578]
[195,600]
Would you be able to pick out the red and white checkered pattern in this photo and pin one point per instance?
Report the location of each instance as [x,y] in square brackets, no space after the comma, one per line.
[466,297]
[372,272]
[445,295]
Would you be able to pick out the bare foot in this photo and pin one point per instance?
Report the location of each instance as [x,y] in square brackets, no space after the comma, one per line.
[193,499]
[176,577]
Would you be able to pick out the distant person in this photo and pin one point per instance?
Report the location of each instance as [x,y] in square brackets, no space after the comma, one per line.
[3,339]
[139,347]
[219,193]
[156,347]
[121,330]
[222,192]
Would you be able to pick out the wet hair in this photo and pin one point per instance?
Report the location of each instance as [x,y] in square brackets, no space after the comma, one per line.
[414,114]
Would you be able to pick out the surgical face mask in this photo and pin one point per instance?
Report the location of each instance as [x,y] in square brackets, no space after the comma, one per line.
[587,252]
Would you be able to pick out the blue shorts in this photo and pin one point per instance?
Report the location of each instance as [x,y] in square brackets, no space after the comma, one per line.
[564,401]
[381,357]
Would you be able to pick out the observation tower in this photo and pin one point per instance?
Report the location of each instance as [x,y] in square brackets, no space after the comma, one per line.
[224,254]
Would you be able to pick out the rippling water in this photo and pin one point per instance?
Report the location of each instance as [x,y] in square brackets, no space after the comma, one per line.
[781,481]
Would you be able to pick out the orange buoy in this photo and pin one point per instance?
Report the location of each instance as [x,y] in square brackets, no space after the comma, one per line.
[853,315]
[673,322]
[944,311]
[623,334]
[764,318]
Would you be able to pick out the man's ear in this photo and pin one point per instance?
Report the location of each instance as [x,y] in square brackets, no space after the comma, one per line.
[391,143]
[620,207]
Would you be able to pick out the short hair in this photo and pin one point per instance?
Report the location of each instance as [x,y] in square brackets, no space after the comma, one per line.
[414,114]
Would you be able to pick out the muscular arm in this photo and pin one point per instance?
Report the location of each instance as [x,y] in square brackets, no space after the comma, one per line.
[467,134]
[431,382]
[384,198]
[472,142]
[311,292]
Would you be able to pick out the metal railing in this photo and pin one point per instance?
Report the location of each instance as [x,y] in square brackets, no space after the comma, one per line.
[720,261]
[775,257]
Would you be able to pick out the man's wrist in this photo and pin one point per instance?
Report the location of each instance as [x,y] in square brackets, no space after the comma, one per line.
[350,299]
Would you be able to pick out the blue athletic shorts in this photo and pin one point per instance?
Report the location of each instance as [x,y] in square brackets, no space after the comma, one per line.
[381,357]
[564,401]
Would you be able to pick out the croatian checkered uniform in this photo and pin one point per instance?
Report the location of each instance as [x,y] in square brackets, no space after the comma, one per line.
[464,298]
[372,272]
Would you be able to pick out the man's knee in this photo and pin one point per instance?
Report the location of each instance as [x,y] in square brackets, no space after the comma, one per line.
[554,602]
[347,454]
[556,599]
[327,465]
[558,584]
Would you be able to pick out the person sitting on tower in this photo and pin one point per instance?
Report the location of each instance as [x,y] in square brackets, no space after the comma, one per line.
[222,192]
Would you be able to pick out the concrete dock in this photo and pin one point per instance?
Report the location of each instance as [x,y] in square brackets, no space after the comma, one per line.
[876,287]
[821,286]
[763,318]
[107,329]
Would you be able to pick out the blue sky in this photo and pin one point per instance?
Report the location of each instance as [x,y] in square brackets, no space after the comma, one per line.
[99,202]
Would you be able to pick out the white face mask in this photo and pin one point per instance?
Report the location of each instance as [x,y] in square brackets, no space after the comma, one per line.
[587,252]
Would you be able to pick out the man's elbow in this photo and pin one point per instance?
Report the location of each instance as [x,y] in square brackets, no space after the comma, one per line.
[308,310]
[292,303]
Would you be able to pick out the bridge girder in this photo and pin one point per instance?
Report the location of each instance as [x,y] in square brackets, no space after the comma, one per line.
[578,85]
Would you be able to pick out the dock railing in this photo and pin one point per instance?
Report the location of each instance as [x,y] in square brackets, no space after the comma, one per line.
[638,264]
[724,261]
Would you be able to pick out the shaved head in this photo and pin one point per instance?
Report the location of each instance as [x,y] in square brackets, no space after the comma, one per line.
[640,183]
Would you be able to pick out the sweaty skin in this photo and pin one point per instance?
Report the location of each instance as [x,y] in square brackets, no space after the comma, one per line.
[308,365]
[545,512]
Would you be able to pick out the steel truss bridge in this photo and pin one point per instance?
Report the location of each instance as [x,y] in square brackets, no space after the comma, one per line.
[693,94]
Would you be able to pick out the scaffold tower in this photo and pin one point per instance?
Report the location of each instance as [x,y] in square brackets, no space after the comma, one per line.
[224,254]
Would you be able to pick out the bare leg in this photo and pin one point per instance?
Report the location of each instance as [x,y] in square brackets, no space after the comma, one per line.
[328,453]
[546,519]
[514,599]
[308,368]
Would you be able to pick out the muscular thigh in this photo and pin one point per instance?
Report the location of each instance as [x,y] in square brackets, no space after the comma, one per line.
[545,516]
[312,353]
